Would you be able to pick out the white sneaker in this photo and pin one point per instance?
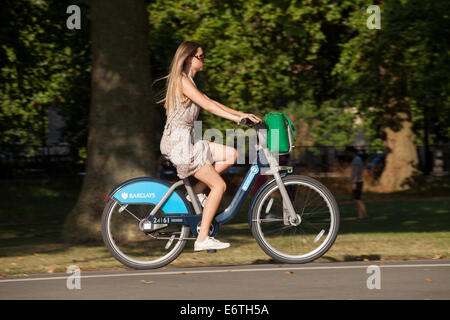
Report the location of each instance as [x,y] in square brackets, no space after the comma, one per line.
[201,196]
[210,244]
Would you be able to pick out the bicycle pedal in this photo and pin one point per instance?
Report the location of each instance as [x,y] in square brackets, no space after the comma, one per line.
[211,251]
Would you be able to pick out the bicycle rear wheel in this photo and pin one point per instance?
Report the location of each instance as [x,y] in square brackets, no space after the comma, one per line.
[304,240]
[122,234]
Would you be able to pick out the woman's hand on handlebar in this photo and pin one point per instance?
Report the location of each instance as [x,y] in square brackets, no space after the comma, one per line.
[249,116]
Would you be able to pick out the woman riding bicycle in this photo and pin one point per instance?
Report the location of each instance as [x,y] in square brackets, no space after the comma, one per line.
[204,160]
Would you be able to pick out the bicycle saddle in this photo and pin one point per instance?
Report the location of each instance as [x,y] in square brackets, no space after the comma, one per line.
[167,159]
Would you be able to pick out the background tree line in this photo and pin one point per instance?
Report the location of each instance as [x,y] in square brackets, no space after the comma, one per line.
[315,60]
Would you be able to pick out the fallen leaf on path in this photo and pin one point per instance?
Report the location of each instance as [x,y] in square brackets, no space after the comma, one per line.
[438,256]
[146,282]
[288,272]
[429,279]
[19,258]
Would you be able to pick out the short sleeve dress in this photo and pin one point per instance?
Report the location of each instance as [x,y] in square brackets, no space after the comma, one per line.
[177,141]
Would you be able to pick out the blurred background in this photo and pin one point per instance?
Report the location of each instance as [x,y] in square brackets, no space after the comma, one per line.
[78,113]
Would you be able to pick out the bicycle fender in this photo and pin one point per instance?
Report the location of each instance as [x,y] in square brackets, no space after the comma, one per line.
[256,196]
[150,190]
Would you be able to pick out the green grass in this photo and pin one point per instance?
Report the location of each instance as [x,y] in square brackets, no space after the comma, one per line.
[404,226]
[36,200]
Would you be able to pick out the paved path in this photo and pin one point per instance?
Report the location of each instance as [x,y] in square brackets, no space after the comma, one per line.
[424,279]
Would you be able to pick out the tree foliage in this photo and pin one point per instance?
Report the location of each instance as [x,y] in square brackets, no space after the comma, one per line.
[315,60]
[402,67]
[261,55]
[43,65]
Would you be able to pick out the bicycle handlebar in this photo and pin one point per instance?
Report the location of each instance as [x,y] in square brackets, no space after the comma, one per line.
[250,123]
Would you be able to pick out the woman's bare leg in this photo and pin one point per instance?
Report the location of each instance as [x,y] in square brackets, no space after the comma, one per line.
[362,212]
[224,157]
[209,176]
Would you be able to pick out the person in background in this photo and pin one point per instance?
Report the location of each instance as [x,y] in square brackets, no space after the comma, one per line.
[356,181]
[377,164]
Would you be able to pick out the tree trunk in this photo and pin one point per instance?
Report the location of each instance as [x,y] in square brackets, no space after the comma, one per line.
[427,158]
[402,159]
[121,142]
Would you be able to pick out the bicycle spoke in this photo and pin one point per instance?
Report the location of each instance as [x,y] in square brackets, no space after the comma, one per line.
[279,229]
[132,214]
[303,239]
[131,245]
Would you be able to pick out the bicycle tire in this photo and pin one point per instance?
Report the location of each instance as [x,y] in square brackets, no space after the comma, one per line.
[127,260]
[289,258]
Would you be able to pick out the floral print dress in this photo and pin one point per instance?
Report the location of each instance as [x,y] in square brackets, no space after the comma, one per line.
[177,141]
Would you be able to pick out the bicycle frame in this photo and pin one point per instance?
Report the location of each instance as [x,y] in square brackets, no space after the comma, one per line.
[269,167]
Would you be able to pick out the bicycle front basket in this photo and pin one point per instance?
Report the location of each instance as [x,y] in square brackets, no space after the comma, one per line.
[280,136]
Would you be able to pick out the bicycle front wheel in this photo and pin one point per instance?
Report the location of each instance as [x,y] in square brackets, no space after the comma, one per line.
[305,239]
[122,234]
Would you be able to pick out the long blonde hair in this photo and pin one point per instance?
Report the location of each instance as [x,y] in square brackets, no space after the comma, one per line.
[173,83]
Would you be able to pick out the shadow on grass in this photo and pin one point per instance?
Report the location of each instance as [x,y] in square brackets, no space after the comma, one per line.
[329,259]
[37,200]
[370,257]
[398,216]
[265,261]
[41,217]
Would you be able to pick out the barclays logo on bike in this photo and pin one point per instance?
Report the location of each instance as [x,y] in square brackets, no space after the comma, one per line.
[142,195]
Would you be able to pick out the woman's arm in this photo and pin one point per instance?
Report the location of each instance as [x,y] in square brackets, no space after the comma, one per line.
[232,111]
[190,91]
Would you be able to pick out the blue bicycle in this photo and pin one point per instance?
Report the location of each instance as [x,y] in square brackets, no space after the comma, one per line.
[294,219]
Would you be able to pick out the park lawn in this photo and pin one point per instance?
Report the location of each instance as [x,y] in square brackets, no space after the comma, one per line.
[49,257]
[403,226]
[399,230]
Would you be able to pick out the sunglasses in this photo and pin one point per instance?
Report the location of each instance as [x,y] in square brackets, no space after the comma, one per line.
[201,57]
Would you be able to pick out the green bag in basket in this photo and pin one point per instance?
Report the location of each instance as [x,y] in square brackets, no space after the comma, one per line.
[277,120]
